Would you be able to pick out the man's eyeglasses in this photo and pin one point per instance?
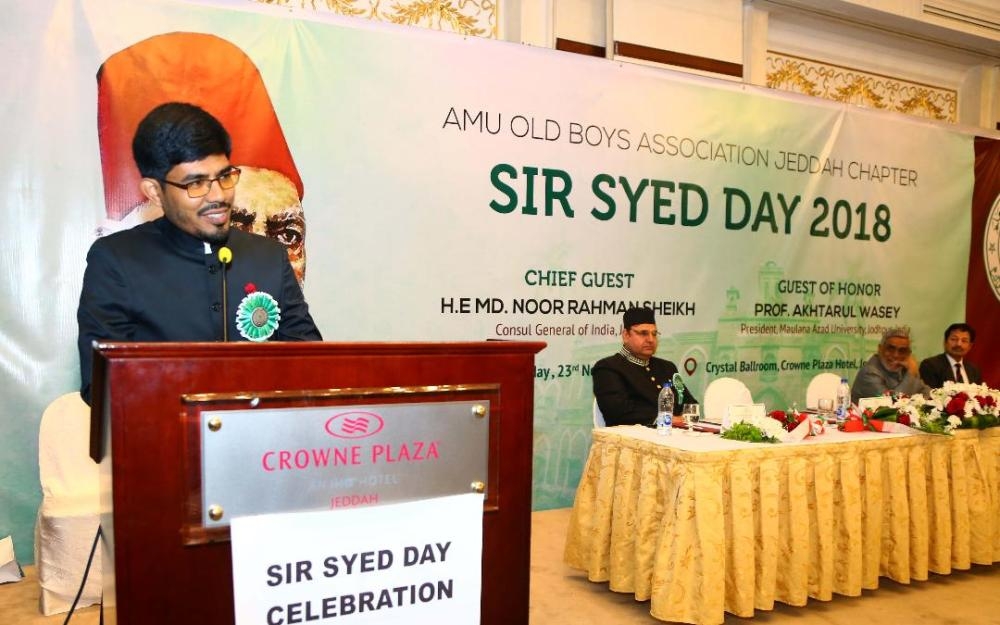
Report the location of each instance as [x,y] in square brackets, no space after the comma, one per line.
[200,188]
[646,333]
[892,349]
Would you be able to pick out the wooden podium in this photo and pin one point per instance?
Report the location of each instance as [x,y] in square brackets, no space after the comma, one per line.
[161,568]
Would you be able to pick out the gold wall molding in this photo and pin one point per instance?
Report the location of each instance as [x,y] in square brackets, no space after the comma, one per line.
[854,86]
[474,18]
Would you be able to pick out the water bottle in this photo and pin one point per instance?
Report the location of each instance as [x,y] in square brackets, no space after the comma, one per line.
[843,399]
[665,410]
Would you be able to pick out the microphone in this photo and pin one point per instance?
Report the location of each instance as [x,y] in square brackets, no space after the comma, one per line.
[225,257]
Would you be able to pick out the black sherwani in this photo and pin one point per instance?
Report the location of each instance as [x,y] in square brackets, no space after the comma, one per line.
[627,393]
[936,370]
[156,283]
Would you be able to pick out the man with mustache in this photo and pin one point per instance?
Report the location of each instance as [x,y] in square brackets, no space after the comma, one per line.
[890,370]
[162,280]
[217,75]
[627,384]
[952,365]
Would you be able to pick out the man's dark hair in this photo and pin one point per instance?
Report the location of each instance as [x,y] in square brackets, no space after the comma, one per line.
[960,327]
[175,133]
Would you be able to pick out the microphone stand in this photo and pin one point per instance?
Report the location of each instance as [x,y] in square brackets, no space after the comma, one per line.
[225,257]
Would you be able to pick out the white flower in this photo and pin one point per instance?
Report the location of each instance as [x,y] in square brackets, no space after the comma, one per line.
[767,425]
[931,414]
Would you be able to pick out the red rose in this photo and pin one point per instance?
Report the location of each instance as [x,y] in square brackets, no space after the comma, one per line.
[903,418]
[852,424]
[249,288]
[956,406]
[986,402]
[788,420]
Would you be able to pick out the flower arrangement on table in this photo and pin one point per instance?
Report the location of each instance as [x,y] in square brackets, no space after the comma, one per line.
[755,430]
[872,420]
[791,418]
[953,406]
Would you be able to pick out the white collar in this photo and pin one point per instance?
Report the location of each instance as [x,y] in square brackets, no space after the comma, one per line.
[635,360]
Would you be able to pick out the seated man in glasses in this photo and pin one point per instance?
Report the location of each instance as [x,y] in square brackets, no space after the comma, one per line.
[892,370]
[627,384]
[163,280]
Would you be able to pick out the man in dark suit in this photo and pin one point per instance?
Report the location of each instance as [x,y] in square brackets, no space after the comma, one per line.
[627,384]
[952,365]
[163,280]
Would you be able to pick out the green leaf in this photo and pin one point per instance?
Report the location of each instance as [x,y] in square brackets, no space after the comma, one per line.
[748,433]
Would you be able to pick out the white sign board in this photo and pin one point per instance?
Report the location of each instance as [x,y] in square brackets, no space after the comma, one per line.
[417,563]
[265,461]
[865,403]
[741,412]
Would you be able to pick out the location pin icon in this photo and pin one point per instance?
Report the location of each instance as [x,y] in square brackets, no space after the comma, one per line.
[690,366]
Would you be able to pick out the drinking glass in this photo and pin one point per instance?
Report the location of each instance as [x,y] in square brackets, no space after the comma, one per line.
[826,408]
[692,415]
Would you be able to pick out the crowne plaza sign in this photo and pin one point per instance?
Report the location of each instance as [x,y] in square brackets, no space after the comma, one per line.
[262,460]
[351,425]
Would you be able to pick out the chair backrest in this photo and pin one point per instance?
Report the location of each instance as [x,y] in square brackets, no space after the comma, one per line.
[722,393]
[822,385]
[64,464]
[598,416]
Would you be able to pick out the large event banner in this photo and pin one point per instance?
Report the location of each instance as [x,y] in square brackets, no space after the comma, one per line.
[463,189]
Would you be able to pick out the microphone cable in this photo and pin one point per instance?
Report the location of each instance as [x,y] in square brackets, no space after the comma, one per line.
[83,583]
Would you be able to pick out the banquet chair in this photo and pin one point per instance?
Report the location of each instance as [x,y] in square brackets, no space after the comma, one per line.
[70,511]
[822,385]
[720,395]
[598,416]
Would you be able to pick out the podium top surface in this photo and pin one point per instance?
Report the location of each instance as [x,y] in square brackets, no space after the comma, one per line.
[151,377]
[114,350]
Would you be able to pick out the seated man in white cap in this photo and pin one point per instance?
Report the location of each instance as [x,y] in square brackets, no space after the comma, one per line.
[627,384]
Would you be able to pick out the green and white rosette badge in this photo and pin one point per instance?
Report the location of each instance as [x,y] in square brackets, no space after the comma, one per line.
[258,314]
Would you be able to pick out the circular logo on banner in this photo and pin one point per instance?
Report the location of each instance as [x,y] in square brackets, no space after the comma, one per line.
[991,247]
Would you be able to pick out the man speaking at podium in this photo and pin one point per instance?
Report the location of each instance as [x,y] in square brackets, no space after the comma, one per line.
[187,276]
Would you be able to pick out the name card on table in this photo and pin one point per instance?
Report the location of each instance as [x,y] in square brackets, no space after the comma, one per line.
[739,412]
[418,563]
[10,570]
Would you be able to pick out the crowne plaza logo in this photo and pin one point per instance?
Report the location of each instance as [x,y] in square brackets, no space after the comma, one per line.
[354,425]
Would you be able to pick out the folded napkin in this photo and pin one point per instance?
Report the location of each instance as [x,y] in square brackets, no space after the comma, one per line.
[10,570]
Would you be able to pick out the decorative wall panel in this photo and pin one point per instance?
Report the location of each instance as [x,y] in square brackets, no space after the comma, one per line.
[477,18]
[854,86]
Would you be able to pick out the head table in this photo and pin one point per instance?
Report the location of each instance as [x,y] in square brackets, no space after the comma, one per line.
[700,526]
